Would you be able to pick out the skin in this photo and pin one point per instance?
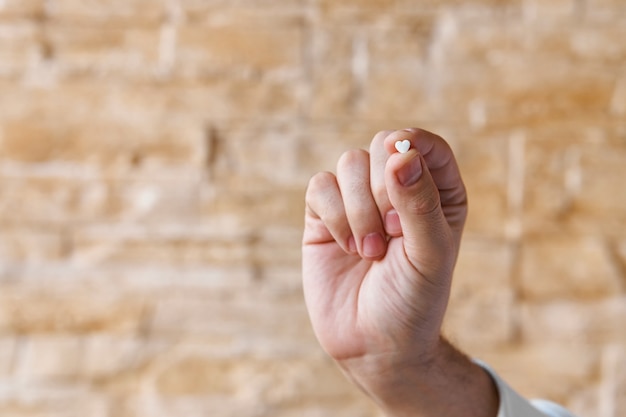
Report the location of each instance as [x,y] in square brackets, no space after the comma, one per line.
[381,240]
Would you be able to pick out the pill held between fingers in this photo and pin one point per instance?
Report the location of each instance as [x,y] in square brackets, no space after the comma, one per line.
[403,146]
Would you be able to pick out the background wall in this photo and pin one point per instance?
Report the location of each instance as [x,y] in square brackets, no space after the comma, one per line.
[153,159]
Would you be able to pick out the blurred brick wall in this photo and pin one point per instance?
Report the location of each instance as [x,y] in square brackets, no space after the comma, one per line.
[153,159]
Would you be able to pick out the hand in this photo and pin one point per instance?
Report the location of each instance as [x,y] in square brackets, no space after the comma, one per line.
[380,243]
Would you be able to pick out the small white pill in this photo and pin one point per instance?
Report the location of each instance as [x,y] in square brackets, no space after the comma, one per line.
[403,146]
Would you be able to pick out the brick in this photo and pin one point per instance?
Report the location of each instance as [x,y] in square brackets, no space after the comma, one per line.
[561,42]
[240,383]
[544,96]
[198,108]
[54,400]
[21,8]
[171,122]
[619,251]
[267,153]
[376,11]
[105,50]
[481,308]
[110,357]
[585,401]
[592,42]
[153,201]
[25,244]
[561,267]
[270,208]
[280,282]
[73,410]
[316,410]
[618,102]
[602,173]
[572,184]
[535,8]
[23,199]
[321,145]
[250,327]
[620,390]
[257,11]
[401,44]
[574,321]
[613,403]
[361,74]
[270,255]
[466,38]
[51,358]
[551,179]
[480,5]
[360,11]
[116,250]
[397,86]
[100,142]
[528,86]
[77,313]
[608,7]
[278,247]
[333,85]
[195,376]
[290,380]
[221,280]
[546,369]
[66,202]
[238,49]
[221,101]
[20,47]
[8,349]
[482,162]
[119,11]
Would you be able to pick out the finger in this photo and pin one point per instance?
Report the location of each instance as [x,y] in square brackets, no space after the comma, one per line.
[443,169]
[427,238]
[378,159]
[326,219]
[353,176]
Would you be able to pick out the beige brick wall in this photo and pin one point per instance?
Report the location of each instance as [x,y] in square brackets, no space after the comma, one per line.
[153,159]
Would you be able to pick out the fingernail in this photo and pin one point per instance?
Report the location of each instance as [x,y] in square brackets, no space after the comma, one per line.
[373,245]
[392,222]
[352,245]
[411,171]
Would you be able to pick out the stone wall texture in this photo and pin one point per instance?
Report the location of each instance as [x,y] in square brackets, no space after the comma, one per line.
[153,160]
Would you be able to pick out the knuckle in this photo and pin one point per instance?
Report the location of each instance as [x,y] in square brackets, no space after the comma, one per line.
[379,140]
[363,214]
[333,217]
[323,201]
[353,172]
[381,135]
[350,158]
[318,186]
[320,181]
[425,203]
[384,132]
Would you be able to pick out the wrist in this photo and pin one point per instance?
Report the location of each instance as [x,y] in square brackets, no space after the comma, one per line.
[439,382]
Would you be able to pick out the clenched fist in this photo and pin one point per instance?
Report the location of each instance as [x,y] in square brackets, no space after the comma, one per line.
[380,243]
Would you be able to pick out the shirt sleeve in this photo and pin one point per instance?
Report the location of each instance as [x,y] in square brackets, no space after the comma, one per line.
[514,405]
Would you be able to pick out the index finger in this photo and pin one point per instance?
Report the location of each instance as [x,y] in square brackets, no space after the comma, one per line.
[378,161]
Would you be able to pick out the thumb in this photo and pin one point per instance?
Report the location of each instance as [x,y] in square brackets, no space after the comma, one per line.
[427,237]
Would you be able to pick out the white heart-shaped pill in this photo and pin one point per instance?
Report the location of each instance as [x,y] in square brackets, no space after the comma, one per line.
[403,146]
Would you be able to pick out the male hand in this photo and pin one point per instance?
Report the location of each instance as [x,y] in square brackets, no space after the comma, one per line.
[380,243]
